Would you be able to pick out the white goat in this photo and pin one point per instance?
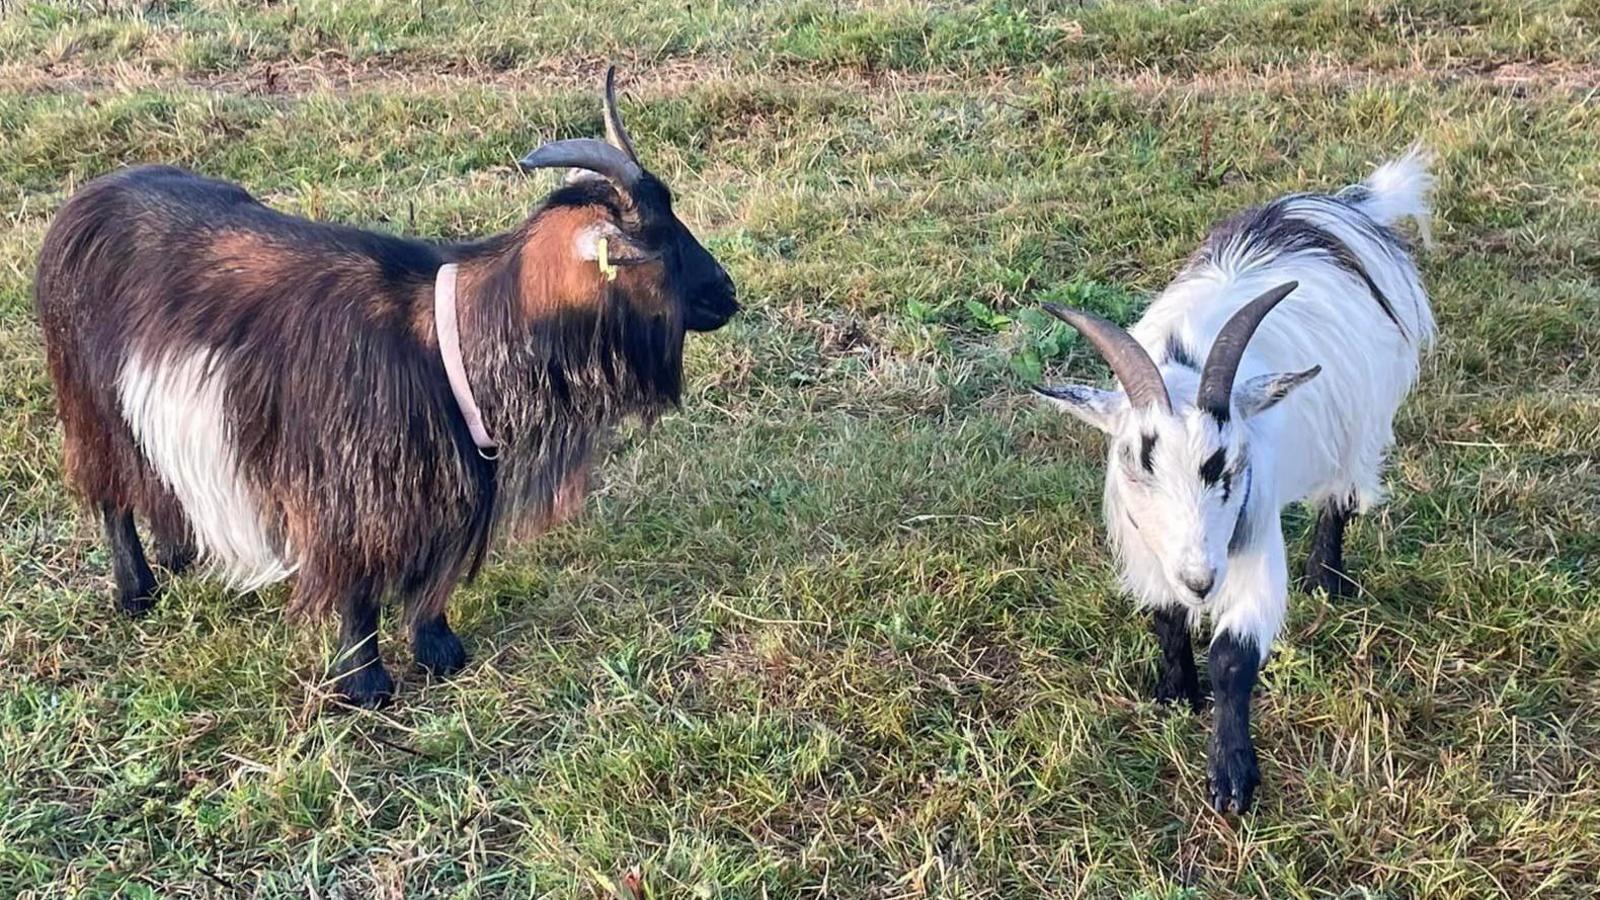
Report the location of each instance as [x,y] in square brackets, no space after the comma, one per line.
[1198,470]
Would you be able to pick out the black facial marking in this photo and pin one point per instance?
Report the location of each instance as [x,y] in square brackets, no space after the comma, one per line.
[1240,538]
[1147,446]
[1211,469]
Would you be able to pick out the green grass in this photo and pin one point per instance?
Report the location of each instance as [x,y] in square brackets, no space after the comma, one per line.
[845,626]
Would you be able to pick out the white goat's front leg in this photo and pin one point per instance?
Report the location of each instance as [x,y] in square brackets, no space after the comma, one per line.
[1247,618]
[1176,680]
[1171,621]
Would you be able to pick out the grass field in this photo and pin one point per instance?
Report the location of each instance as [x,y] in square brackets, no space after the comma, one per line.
[845,625]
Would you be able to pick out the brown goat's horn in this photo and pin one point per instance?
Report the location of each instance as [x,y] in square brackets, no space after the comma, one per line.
[615,132]
[585,153]
[1140,378]
[1222,363]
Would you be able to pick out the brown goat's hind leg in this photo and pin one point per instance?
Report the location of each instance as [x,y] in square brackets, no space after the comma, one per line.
[136,585]
[175,555]
[169,533]
[358,674]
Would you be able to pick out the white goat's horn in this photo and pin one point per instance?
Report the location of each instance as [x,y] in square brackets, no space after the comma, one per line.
[1222,363]
[1140,378]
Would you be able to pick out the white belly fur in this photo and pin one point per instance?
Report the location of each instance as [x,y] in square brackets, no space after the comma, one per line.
[175,409]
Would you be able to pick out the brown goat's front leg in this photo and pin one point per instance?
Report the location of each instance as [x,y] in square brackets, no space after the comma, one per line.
[358,673]
[437,649]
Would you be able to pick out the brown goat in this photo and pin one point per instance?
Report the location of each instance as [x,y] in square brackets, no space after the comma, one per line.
[274,396]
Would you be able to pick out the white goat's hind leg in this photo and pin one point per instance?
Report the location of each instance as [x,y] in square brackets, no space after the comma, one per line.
[1247,620]
[1325,563]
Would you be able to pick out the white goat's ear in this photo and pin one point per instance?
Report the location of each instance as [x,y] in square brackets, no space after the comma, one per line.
[1093,405]
[1263,392]
[621,250]
[575,175]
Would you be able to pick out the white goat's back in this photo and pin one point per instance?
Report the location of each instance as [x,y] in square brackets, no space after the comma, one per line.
[1360,313]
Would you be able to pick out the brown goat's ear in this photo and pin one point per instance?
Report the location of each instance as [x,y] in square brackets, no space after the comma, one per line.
[620,250]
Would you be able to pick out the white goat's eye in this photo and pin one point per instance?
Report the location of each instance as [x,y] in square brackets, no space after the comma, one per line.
[1230,478]
[1211,469]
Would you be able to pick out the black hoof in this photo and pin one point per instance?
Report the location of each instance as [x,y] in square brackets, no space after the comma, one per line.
[368,686]
[136,603]
[1171,692]
[439,652]
[1234,778]
[1333,581]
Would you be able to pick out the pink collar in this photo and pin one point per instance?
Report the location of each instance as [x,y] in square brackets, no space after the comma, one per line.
[448,329]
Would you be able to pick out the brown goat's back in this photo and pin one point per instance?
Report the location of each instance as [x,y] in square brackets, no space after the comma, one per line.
[255,383]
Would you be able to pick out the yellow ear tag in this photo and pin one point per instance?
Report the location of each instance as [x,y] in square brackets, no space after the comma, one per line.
[602,257]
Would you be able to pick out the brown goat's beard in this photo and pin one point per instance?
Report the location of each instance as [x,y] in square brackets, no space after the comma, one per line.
[552,391]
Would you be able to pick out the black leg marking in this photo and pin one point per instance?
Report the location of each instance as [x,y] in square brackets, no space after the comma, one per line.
[136,585]
[359,676]
[437,649]
[1325,564]
[1232,765]
[1177,679]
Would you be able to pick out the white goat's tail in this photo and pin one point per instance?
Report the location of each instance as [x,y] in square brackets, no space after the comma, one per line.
[1398,190]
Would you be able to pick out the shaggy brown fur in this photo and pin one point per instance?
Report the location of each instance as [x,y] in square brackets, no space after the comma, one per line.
[336,405]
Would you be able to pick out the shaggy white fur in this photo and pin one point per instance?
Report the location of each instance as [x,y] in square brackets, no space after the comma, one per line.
[1360,314]
[175,410]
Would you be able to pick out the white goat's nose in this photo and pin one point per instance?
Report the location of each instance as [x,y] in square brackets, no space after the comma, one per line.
[1199,581]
